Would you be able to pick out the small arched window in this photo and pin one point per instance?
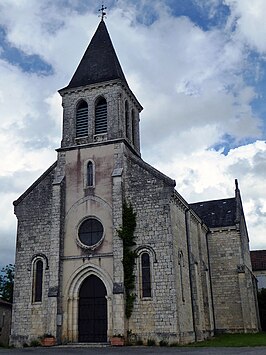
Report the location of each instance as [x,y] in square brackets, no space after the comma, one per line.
[90,174]
[145,275]
[181,266]
[37,280]
[101,116]
[127,120]
[82,119]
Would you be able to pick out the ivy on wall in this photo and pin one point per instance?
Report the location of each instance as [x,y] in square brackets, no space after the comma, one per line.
[126,233]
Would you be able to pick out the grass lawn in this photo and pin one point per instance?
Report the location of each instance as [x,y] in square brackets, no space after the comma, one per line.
[228,340]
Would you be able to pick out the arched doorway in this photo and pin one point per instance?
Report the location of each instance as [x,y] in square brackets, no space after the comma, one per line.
[92,314]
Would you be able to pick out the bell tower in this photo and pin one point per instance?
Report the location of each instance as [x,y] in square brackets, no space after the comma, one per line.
[100,136]
[98,104]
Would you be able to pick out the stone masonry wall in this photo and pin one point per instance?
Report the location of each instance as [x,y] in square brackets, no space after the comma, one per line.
[153,317]
[118,311]
[205,280]
[232,281]
[161,226]
[202,300]
[182,279]
[225,251]
[247,283]
[195,315]
[163,231]
[116,95]
[33,211]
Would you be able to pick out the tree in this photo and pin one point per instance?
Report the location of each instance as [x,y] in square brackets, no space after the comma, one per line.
[262,307]
[7,282]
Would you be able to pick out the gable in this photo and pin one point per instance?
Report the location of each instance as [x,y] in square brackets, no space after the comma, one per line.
[35,184]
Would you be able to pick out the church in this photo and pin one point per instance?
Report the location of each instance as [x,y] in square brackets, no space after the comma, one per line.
[107,247]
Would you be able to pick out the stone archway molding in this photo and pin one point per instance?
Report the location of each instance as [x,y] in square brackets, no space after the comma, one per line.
[73,288]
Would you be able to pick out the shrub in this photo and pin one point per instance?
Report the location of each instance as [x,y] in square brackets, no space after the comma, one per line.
[163,343]
[35,343]
[151,342]
[174,344]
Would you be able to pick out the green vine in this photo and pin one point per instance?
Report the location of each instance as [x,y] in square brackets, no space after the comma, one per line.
[126,233]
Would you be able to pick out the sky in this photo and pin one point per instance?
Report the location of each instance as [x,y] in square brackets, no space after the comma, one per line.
[198,67]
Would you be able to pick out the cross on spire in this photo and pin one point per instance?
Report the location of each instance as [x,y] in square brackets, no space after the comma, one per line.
[103,13]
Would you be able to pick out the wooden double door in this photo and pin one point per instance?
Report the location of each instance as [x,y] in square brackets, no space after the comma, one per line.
[92,315]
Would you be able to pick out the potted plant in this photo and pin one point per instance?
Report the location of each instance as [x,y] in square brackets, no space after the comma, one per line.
[48,340]
[118,340]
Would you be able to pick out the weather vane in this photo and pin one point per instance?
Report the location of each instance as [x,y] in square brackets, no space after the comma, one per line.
[103,13]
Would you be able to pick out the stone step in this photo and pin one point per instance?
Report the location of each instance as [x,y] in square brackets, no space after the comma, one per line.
[84,345]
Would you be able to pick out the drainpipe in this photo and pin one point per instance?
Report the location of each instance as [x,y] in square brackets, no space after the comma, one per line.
[189,268]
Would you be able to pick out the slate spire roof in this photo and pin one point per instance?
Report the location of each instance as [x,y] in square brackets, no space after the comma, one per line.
[220,213]
[217,213]
[99,63]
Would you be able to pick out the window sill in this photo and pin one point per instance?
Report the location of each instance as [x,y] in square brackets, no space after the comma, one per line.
[146,299]
[100,137]
[82,140]
[37,303]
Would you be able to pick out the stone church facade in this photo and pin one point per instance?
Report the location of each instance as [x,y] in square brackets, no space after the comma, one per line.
[192,269]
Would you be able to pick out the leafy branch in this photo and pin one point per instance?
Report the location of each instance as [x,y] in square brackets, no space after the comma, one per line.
[126,233]
[7,282]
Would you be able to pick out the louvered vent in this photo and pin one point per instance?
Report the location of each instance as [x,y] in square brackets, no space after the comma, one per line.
[101,117]
[133,127]
[82,120]
[127,119]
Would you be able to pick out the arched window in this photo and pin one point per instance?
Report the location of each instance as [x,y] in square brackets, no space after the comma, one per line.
[37,280]
[145,275]
[82,119]
[133,127]
[90,174]
[181,266]
[101,116]
[127,120]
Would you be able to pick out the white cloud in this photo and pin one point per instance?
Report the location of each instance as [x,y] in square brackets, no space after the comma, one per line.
[189,78]
[249,18]
[206,175]
[190,82]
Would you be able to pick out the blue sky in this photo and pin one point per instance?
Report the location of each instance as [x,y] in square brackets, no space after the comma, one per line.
[197,67]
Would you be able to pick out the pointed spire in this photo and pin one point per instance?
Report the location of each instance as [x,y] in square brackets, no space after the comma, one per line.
[236,184]
[99,62]
[239,207]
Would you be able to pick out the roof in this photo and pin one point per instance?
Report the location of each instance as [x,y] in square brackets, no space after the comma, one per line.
[216,213]
[36,183]
[258,259]
[99,63]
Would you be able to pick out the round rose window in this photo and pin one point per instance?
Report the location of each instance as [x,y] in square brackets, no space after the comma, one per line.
[90,233]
